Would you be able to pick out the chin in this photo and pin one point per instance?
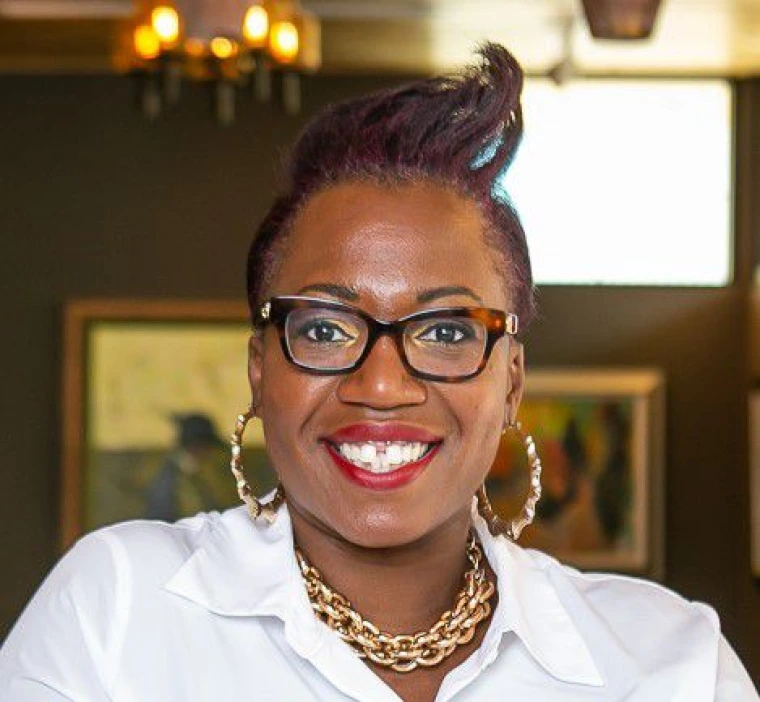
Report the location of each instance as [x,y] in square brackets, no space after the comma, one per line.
[385,527]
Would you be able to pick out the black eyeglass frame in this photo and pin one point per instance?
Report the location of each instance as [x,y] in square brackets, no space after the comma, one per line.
[497,323]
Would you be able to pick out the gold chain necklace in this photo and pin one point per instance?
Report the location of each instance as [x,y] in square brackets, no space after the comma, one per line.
[404,652]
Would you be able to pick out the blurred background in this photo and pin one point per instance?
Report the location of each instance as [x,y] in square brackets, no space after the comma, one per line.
[139,144]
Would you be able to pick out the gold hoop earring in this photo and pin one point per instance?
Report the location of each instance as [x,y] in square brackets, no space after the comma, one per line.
[256,508]
[496,525]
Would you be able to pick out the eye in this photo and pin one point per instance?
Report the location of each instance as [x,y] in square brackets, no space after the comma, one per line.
[446,333]
[325,332]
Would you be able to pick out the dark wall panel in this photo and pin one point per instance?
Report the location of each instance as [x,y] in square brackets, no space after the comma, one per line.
[94,201]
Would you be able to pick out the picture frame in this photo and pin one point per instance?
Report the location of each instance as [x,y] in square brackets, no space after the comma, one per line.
[754,461]
[148,386]
[600,434]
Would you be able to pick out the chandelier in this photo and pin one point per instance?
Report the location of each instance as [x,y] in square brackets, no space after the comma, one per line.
[262,47]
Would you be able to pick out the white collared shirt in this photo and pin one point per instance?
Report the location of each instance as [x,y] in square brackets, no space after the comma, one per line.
[213,609]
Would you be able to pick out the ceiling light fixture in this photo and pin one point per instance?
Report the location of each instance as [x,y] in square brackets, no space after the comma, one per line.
[621,19]
[230,44]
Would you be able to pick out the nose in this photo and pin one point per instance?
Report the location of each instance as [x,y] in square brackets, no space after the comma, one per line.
[382,381]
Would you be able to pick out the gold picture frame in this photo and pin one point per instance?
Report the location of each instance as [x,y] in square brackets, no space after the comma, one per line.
[754,460]
[600,434]
[139,376]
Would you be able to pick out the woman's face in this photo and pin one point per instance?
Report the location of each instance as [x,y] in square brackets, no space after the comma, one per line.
[391,252]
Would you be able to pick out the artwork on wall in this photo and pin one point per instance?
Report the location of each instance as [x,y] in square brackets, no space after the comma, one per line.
[600,437]
[754,424]
[754,458]
[151,392]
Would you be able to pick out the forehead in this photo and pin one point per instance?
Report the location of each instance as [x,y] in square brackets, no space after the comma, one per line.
[390,244]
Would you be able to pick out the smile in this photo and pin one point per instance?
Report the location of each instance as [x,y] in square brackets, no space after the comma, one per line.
[383,457]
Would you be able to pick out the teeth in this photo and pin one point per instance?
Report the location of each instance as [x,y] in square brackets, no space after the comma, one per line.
[368,453]
[394,454]
[383,457]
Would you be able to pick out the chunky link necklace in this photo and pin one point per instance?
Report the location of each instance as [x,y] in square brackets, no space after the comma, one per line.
[404,652]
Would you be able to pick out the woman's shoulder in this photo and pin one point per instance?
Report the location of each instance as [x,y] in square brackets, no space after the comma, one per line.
[166,537]
[110,580]
[632,607]
[639,633]
[147,550]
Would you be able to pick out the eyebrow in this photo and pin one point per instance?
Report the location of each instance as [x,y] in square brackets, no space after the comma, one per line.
[446,291]
[336,290]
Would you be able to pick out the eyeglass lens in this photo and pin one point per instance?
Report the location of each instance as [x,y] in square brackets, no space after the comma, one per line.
[328,339]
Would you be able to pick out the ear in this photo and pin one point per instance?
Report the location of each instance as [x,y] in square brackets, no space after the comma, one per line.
[516,379]
[255,361]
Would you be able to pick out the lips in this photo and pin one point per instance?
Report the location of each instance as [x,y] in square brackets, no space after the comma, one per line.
[382,455]
[369,432]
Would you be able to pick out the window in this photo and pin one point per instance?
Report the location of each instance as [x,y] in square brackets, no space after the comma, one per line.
[626,182]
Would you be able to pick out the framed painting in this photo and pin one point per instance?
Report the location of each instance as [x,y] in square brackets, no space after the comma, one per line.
[151,390]
[600,435]
[754,460]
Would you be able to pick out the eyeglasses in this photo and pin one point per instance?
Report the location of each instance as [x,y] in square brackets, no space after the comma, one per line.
[327,338]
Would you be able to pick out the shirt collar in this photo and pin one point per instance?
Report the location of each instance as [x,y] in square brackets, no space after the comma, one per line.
[242,568]
[530,607]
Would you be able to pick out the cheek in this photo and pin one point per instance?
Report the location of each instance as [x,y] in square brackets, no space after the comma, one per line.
[283,418]
[495,385]
[480,411]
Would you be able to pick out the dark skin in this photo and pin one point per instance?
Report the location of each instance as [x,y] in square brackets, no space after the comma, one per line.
[398,555]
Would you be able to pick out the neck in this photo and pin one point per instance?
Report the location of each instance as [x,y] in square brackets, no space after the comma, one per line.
[401,589]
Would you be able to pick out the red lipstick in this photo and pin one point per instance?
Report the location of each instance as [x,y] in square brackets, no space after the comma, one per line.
[381,481]
[381,432]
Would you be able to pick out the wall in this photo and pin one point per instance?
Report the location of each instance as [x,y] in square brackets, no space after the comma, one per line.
[96,202]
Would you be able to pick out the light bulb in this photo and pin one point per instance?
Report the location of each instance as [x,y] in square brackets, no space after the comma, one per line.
[283,42]
[146,43]
[194,47]
[165,21]
[222,47]
[256,26]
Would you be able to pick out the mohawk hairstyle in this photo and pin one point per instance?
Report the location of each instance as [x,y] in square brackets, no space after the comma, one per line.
[461,132]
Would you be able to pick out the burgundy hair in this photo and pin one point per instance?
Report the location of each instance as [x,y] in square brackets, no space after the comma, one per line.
[460,131]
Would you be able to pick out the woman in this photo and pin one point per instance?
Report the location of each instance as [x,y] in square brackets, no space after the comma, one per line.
[386,285]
